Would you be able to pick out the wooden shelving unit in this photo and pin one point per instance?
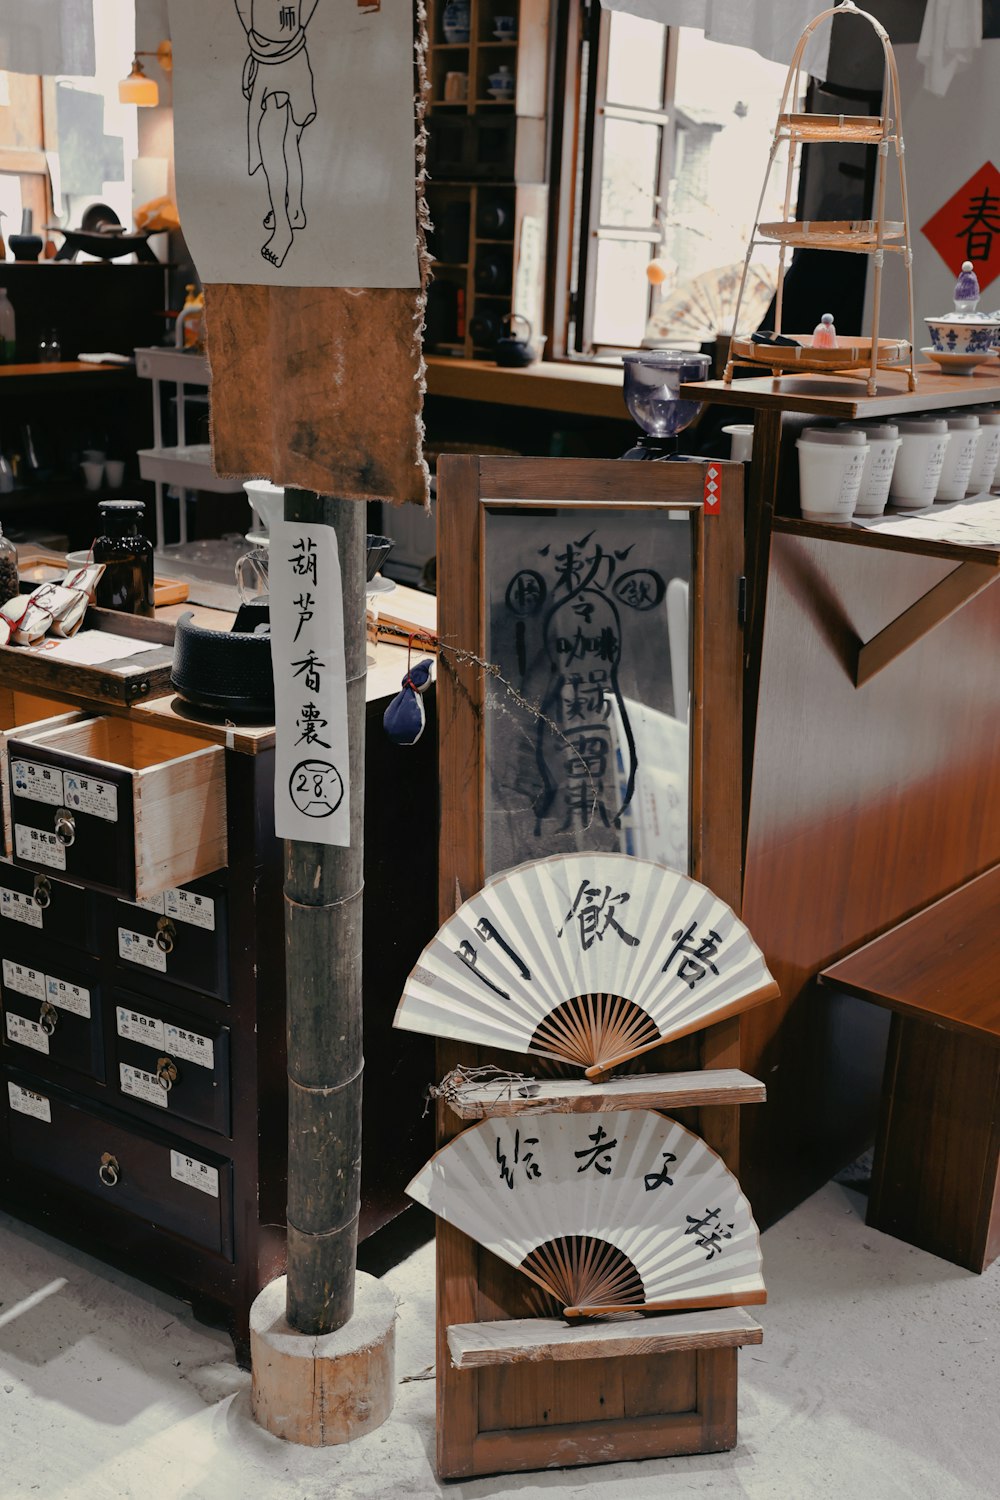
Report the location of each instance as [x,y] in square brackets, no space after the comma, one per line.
[874,237]
[487,193]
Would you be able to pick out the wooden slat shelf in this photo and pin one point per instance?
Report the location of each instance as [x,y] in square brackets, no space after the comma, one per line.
[864,536]
[644,1091]
[859,235]
[514,1341]
[806,127]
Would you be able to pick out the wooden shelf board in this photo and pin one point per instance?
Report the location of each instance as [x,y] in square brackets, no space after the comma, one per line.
[939,966]
[531,1340]
[833,396]
[643,1091]
[864,536]
[591,390]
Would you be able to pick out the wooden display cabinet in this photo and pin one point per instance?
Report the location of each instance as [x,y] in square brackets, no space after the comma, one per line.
[487,193]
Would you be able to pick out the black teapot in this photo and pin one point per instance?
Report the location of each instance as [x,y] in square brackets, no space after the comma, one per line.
[513,351]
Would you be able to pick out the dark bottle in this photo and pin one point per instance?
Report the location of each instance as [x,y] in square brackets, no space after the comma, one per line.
[127,581]
[494,219]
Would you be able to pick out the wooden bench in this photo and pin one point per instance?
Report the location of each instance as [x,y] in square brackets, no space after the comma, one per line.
[937,1153]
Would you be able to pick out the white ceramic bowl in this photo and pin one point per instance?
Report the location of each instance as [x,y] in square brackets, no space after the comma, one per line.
[964,333]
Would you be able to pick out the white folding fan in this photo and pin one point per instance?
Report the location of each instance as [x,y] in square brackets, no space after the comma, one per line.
[587,958]
[606,1212]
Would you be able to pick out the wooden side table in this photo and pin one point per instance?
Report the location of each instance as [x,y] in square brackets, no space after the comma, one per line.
[937,1154]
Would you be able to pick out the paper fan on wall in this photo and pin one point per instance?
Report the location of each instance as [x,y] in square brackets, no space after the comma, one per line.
[605,1212]
[706,305]
[587,958]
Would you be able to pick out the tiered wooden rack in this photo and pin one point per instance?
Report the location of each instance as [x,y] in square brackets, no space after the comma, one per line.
[860,357]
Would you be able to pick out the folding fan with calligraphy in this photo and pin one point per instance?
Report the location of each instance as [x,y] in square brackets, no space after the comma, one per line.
[605,1212]
[590,959]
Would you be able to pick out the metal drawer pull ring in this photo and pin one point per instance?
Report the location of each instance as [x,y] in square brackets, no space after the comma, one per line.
[166,935]
[65,827]
[166,1072]
[109,1170]
[42,892]
[48,1018]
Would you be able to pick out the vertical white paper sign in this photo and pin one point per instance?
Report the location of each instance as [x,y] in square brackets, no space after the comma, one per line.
[311,777]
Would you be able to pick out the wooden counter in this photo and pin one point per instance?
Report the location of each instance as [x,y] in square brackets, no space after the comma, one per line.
[846,399]
[590,390]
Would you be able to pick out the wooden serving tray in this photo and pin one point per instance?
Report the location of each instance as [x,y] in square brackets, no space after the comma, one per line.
[123,680]
[850,354]
[46,567]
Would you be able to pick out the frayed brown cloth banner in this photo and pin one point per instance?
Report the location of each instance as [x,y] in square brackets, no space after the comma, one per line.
[319,387]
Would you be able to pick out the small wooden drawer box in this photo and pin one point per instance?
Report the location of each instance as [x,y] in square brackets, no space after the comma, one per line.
[121,806]
[36,903]
[160,1177]
[180,935]
[20,713]
[52,1016]
[170,1062]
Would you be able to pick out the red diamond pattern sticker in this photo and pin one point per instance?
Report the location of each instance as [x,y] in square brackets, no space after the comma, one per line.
[713,491]
[967,227]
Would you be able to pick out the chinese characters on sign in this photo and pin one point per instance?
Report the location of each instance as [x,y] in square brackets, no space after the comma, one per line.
[967,227]
[579,752]
[311,791]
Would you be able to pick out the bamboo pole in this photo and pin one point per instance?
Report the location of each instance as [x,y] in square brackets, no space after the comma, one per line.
[323,898]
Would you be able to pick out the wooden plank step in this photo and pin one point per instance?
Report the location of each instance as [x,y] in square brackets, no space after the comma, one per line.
[809,127]
[570,1096]
[531,1340]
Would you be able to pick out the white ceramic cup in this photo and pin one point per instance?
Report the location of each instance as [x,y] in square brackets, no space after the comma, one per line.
[93,456]
[831,463]
[884,441]
[987,461]
[960,458]
[919,462]
[93,474]
[740,441]
[114,473]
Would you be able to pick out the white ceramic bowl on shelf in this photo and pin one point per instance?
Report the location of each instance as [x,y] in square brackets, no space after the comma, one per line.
[964,333]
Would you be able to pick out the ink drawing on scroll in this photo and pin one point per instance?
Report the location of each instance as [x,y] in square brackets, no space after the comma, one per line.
[281,102]
[294,135]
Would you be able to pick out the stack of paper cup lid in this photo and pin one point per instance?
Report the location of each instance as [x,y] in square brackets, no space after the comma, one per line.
[984,470]
[831,463]
[960,457]
[883,441]
[925,442]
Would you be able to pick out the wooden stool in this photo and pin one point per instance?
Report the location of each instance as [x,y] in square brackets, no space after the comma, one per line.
[937,1155]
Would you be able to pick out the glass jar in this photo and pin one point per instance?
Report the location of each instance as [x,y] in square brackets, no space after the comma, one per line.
[9,579]
[127,555]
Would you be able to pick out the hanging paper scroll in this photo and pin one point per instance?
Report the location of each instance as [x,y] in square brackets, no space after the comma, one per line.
[604,1212]
[294,139]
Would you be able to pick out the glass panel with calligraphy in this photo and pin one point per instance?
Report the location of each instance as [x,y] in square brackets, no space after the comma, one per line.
[586,719]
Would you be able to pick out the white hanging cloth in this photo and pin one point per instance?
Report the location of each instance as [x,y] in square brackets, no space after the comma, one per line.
[769,27]
[952,31]
[47,36]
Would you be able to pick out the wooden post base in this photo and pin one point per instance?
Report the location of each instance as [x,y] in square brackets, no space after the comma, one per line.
[326,1389]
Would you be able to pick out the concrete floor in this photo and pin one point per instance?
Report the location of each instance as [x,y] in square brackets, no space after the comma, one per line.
[877,1380]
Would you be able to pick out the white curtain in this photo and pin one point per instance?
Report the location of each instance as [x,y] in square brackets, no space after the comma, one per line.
[47,36]
[770,27]
[952,31]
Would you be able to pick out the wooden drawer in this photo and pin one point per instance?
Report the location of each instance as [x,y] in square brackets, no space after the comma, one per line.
[120,806]
[23,713]
[145,1172]
[52,1015]
[37,903]
[169,1063]
[181,935]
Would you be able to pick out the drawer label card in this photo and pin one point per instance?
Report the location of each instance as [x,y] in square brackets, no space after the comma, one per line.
[190,906]
[66,996]
[87,794]
[37,783]
[148,903]
[27,1033]
[135,1027]
[26,981]
[142,1085]
[137,948]
[41,847]
[26,1102]
[196,1174]
[188,1044]
[20,908]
